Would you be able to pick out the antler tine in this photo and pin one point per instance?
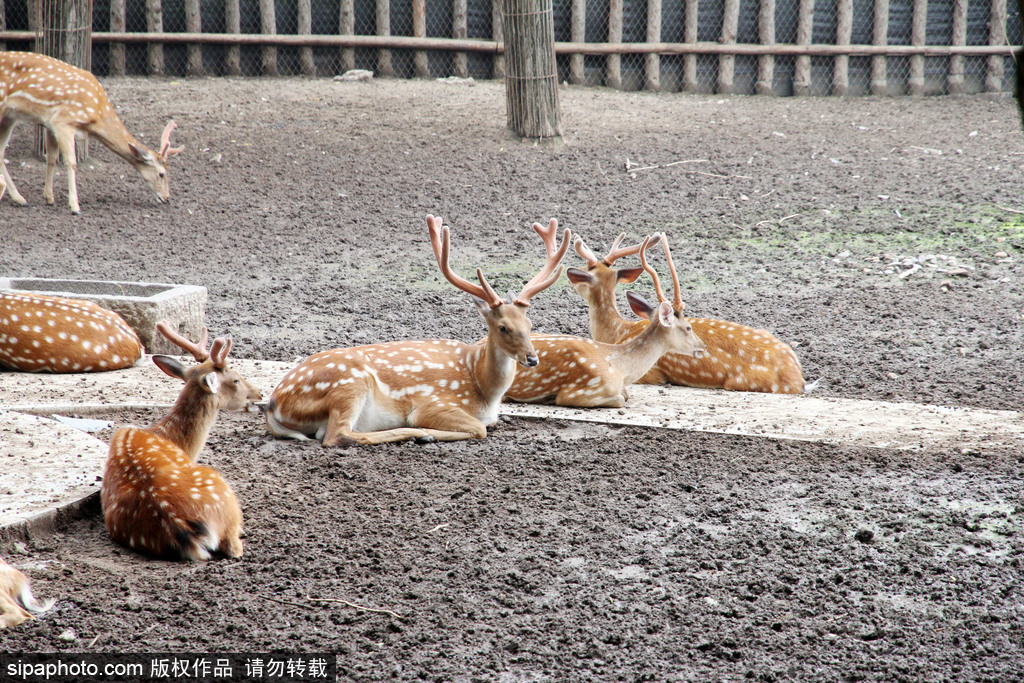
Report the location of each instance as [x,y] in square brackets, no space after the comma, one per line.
[551,270]
[165,142]
[651,271]
[219,351]
[440,240]
[198,351]
[585,252]
[677,300]
[614,254]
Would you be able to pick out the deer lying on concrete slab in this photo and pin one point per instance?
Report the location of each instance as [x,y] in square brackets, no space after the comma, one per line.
[738,358]
[429,390]
[69,102]
[582,372]
[155,499]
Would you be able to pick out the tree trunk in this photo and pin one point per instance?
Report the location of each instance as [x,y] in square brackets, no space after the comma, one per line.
[531,81]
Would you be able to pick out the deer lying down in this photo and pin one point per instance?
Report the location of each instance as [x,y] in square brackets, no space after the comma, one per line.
[69,102]
[582,372]
[16,600]
[41,333]
[428,390]
[155,499]
[738,358]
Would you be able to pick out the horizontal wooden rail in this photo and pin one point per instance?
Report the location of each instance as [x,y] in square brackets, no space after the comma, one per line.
[575,48]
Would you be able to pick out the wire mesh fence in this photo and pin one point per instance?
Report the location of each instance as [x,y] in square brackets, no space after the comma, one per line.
[781,47]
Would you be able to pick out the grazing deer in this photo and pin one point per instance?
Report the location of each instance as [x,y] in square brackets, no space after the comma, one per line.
[434,390]
[738,358]
[41,333]
[16,600]
[592,374]
[69,102]
[155,499]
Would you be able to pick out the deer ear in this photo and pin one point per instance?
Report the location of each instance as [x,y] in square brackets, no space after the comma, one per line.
[171,366]
[481,305]
[639,305]
[628,275]
[579,277]
[141,154]
[211,381]
[666,315]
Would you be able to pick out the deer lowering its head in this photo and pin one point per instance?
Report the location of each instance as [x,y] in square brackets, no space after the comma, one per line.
[16,600]
[69,102]
[53,334]
[738,358]
[429,390]
[587,373]
[155,499]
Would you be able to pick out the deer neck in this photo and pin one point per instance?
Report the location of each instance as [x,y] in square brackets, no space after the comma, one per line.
[606,323]
[634,358]
[492,369]
[189,422]
[112,133]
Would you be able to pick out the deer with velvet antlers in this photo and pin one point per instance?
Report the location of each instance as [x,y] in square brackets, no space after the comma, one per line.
[738,358]
[155,499]
[433,390]
[582,372]
[69,102]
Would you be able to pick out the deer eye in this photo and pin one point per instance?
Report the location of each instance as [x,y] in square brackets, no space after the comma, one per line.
[502,329]
[162,175]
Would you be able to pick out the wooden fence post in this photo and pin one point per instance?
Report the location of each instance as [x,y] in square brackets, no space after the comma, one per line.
[690,36]
[498,34]
[3,27]
[268,26]
[531,84]
[766,63]
[727,63]
[459,31]
[421,65]
[879,77]
[117,25]
[233,25]
[997,38]
[613,63]
[802,69]
[305,28]
[652,66]
[918,26]
[955,83]
[194,24]
[155,24]
[578,34]
[384,66]
[347,27]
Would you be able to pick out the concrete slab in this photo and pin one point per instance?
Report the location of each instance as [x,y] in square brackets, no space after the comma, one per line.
[58,466]
[141,304]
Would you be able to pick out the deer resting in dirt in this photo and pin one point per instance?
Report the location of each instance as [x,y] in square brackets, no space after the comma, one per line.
[17,603]
[155,499]
[582,372]
[69,102]
[738,358]
[430,390]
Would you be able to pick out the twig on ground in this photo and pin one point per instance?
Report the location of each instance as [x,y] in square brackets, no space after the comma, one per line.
[439,527]
[1004,208]
[717,175]
[353,605]
[686,161]
[285,602]
[786,218]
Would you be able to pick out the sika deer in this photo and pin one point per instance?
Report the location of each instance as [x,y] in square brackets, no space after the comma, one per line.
[738,358]
[427,390]
[586,373]
[155,498]
[16,600]
[69,102]
[53,334]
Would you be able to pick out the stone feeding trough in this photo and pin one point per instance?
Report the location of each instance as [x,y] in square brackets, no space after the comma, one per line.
[141,304]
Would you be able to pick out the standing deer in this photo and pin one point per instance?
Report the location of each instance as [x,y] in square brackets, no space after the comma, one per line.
[587,373]
[434,390]
[738,358]
[69,102]
[41,333]
[155,499]
[16,600]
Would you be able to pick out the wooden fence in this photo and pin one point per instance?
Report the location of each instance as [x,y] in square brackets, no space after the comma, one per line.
[727,46]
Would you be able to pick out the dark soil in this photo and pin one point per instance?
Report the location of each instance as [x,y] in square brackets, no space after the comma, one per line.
[561,551]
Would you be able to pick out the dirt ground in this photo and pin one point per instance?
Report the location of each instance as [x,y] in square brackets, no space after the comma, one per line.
[881,237]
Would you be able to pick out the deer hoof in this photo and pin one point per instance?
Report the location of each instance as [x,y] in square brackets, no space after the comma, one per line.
[426,438]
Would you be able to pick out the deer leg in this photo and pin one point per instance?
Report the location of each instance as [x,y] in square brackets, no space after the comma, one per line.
[11,613]
[66,143]
[51,164]
[6,126]
[447,424]
[581,400]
